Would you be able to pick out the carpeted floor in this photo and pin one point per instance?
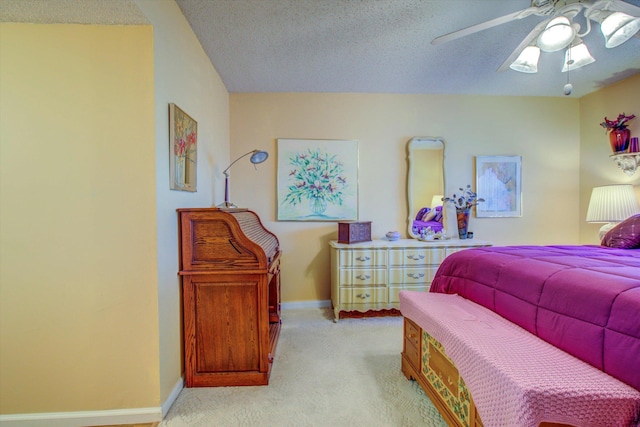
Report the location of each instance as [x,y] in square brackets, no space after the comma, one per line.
[324,374]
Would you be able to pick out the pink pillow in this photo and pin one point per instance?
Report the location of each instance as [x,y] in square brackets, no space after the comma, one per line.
[625,235]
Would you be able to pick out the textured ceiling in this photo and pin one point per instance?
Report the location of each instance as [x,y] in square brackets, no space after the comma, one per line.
[371,46]
[384,46]
[99,12]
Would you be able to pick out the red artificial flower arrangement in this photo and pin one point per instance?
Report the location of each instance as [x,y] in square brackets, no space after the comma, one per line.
[619,123]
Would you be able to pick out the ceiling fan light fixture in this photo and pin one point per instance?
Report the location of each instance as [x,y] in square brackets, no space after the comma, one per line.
[558,34]
[619,27]
[577,56]
[527,61]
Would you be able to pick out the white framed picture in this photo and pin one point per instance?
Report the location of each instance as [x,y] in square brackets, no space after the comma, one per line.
[498,182]
[317,180]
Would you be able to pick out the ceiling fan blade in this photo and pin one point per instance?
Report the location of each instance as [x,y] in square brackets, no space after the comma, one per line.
[485,25]
[524,43]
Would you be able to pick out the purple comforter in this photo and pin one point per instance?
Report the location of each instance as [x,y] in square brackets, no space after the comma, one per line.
[584,300]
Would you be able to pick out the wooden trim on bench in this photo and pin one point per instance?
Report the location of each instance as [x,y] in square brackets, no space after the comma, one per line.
[412,369]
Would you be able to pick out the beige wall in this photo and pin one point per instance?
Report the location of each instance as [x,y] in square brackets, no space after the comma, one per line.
[183,75]
[544,131]
[596,168]
[88,228]
[78,306]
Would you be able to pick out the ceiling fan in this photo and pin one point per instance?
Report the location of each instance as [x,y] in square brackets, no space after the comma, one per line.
[619,21]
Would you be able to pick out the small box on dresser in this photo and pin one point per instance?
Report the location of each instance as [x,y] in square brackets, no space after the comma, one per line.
[354,231]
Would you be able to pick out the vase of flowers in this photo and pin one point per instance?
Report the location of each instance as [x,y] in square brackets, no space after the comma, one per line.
[318,177]
[184,150]
[463,204]
[619,135]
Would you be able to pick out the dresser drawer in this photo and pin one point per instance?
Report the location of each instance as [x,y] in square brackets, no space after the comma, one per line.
[367,296]
[418,256]
[412,333]
[412,276]
[394,291]
[450,251]
[363,276]
[358,258]
[412,353]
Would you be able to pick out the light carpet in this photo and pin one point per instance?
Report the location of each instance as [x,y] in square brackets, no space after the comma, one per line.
[324,374]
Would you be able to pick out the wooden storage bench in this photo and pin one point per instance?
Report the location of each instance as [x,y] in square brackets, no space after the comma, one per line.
[502,375]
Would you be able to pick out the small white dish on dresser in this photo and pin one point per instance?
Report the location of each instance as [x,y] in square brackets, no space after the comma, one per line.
[393,235]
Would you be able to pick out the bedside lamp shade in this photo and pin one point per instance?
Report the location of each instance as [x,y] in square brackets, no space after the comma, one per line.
[611,204]
[436,201]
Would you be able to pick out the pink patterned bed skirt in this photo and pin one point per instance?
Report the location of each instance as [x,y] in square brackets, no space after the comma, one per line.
[515,378]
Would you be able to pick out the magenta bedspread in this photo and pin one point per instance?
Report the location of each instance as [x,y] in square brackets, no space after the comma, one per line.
[515,378]
[584,300]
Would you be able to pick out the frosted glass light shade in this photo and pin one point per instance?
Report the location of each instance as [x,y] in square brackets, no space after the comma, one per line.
[557,35]
[527,61]
[619,27]
[612,203]
[577,56]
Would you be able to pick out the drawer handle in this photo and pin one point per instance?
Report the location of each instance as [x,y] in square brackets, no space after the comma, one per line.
[363,296]
[363,258]
[416,275]
[415,257]
[363,276]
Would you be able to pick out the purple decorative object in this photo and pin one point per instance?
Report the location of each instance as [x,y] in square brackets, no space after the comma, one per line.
[625,235]
[435,223]
[634,146]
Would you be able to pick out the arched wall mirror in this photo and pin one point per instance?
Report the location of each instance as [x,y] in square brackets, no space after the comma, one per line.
[426,179]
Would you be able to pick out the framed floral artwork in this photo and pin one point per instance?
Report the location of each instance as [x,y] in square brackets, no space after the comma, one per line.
[317,180]
[183,143]
[498,182]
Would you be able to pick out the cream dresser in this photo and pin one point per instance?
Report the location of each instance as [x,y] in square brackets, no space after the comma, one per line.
[370,275]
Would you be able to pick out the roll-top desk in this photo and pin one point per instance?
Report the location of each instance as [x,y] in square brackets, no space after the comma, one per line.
[369,276]
[230,270]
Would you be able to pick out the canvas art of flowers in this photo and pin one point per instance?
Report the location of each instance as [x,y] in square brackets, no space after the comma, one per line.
[619,123]
[185,141]
[185,137]
[317,177]
[465,200]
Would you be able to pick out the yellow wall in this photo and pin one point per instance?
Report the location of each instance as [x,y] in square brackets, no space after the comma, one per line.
[78,306]
[544,131]
[183,75]
[596,168]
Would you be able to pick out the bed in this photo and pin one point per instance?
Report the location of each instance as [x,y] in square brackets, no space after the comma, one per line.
[528,336]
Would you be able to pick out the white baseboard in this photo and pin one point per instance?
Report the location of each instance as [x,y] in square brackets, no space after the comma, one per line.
[305,304]
[94,418]
[172,397]
[83,418]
